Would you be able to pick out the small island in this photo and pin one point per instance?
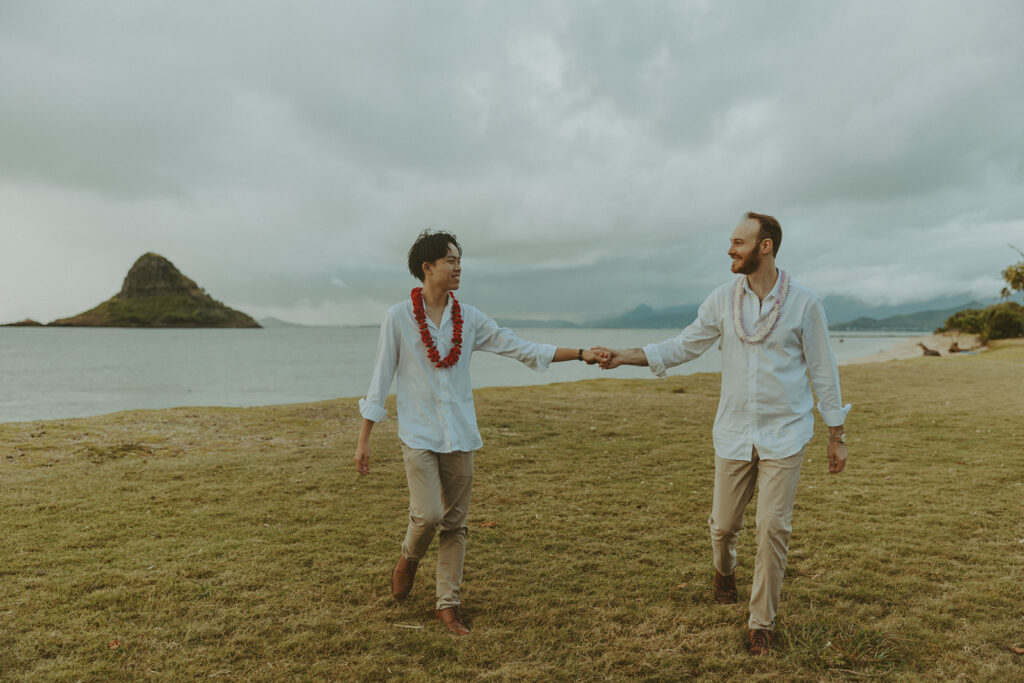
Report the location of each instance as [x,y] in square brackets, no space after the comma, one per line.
[27,322]
[156,294]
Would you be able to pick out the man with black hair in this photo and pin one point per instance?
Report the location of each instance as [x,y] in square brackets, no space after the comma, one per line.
[764,418]
[425,345]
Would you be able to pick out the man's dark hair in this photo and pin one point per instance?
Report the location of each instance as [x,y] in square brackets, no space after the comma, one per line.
[429,247]
[770,230]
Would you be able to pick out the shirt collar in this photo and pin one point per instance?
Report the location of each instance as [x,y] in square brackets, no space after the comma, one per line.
[774,294]
[445,314]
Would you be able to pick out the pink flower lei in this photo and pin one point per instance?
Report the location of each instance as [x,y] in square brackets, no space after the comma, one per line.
[760,333]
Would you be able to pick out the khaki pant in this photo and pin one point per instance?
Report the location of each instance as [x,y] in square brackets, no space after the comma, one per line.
[734,487]
[439,492]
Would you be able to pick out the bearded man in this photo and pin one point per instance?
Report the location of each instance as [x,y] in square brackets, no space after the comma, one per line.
[425,344]
[774,337]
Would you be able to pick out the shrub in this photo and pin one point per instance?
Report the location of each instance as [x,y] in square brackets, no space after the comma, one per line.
[1001,321]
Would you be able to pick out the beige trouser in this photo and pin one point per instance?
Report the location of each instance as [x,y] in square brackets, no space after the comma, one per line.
[439,491]
[734,487]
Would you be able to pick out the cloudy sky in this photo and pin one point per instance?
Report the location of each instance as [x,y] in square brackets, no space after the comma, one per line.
[590,156]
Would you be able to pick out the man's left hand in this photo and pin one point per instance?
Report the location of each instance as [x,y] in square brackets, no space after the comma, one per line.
[836,456]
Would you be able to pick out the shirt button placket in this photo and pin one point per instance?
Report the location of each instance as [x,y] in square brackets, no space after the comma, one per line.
[445,408]
[752,400]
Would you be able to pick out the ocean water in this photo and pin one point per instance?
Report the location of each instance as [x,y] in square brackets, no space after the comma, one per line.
[49,373]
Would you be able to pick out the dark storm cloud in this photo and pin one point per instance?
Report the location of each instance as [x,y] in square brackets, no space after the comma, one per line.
[591,156]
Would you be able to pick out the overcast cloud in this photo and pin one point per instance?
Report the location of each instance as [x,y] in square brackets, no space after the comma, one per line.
[590,156]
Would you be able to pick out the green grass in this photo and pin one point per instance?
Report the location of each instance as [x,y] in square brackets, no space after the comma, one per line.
[240,544]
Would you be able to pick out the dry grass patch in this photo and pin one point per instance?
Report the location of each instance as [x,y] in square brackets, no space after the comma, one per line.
[241,544]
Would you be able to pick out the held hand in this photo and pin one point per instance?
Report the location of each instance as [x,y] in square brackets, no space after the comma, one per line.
[592,356]
[608,358]
[836,457]
[362,459]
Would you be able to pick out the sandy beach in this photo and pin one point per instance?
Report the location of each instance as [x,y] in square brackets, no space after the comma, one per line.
[911,349]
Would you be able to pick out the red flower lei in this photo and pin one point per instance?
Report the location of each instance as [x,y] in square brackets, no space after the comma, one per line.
[421,319]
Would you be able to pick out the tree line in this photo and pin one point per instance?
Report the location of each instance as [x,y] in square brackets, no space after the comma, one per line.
[1003,320]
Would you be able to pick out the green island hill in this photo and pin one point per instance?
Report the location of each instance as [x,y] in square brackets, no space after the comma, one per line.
[27,322]
[156,294]
[241,544]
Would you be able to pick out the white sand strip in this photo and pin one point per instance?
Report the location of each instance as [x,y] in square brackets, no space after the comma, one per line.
[911,348]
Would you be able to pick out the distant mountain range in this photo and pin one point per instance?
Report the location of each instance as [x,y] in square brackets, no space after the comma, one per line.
[643,316]
[846,310]
[920,321]
[922,316]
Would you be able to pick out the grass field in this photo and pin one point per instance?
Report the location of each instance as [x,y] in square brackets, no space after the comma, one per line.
[240,544]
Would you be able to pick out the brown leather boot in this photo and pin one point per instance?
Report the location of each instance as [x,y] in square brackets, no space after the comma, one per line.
[725,589]
[760,641]
[451,617]
[402,577]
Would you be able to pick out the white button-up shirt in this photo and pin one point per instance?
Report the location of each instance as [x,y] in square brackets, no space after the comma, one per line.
[766,399]
[435,405]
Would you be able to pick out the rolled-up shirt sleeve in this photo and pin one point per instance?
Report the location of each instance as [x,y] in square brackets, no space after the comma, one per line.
[689,344]
[821,365]
[501,340]
[373,406]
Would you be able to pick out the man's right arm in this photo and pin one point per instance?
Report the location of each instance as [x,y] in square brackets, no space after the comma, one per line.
[613,358]
[362,458]
[372,407]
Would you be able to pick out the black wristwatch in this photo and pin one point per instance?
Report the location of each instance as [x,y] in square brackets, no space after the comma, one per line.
[579,355]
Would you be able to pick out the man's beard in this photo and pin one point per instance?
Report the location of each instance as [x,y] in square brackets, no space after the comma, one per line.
[750,264]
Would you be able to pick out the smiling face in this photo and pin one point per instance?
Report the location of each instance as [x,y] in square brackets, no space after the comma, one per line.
[445,272]
[745,249]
